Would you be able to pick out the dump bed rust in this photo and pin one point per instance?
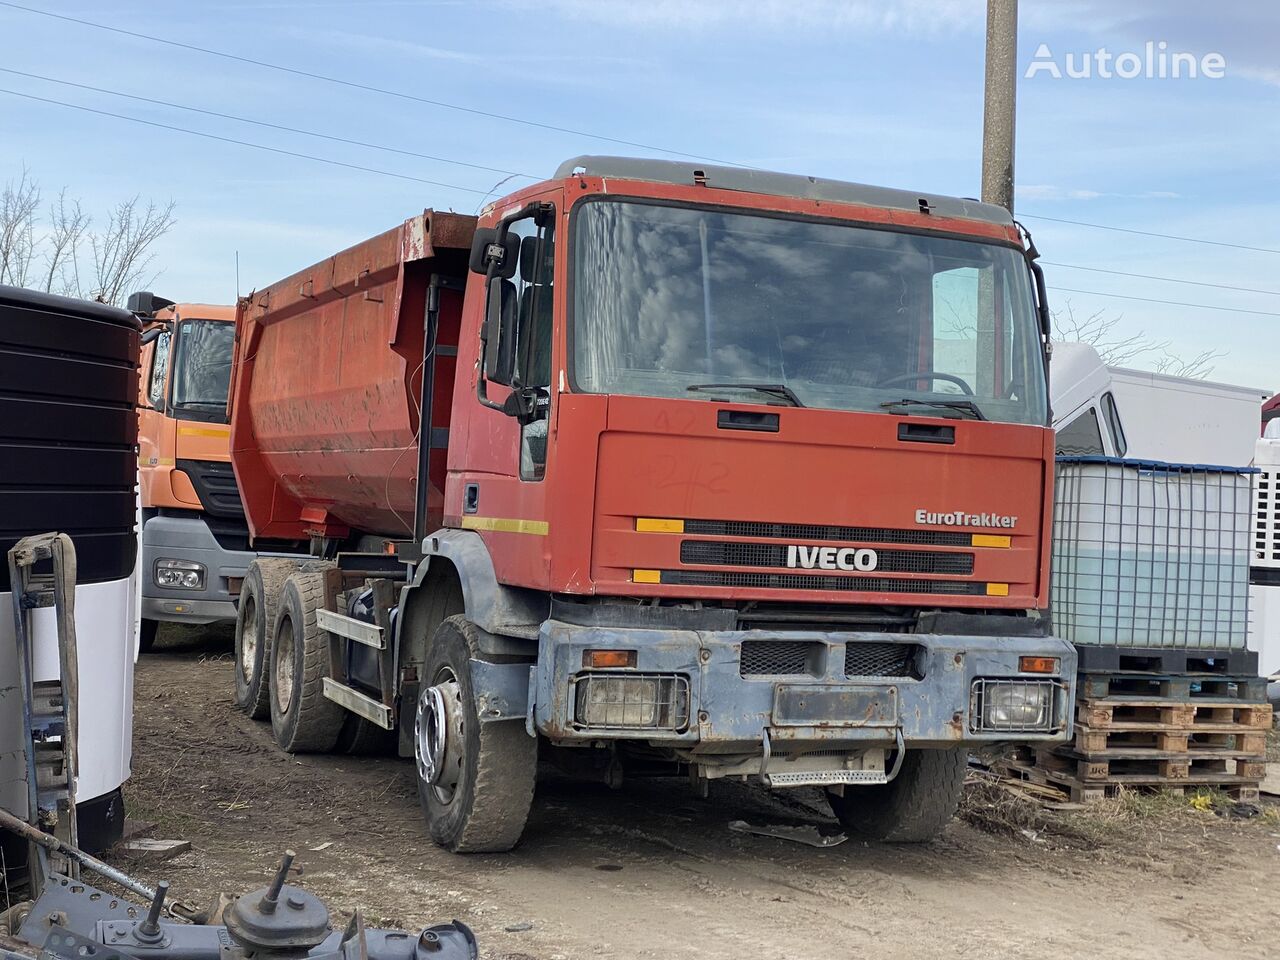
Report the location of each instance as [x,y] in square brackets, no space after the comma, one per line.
[327,375]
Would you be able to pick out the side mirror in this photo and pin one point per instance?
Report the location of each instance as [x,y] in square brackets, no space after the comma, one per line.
[484,246]
[145,303]
[500,332]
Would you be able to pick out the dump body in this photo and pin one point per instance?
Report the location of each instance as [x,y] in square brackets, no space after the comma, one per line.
[326,388]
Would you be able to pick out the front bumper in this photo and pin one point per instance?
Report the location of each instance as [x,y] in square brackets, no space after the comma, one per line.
[189,538]
[731,713]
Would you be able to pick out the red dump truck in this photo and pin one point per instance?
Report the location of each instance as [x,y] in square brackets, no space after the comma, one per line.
[656,468]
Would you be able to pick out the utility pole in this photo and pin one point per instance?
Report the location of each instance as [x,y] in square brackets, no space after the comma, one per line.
[999,102]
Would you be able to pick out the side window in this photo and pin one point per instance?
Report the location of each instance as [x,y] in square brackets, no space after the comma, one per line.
[533,338]
[1081,437]
[159,367]
[1112,415]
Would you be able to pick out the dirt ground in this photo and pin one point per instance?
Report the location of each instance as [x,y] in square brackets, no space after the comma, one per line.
[650,871]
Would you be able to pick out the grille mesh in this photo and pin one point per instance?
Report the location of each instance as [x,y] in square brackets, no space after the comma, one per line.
[881,660]
[799,581]
[775,555]
[818,531]
[776,658]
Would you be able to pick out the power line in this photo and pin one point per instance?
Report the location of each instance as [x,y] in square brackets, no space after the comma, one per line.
[1144,233]
[1172,303]
[244,143]
[368,88]
[1147,276]
[361,86]
[272,126]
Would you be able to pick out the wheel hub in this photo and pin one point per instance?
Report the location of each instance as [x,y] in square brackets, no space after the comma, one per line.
[249,639]
[284,669]
[437,736]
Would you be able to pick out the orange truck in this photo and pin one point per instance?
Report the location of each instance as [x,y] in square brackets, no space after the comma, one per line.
[195,542]
[656,468]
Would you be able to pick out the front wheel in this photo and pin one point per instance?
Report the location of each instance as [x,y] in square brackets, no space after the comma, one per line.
[475,780]
[914,806]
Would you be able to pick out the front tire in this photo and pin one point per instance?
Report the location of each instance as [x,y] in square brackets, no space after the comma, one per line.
[914,806]
[303,720]
[255,622]
[476,791]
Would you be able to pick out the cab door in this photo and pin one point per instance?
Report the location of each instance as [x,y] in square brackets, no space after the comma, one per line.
[155,446]
[500,457]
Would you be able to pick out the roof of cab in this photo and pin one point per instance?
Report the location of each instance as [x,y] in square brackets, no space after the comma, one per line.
[782,185]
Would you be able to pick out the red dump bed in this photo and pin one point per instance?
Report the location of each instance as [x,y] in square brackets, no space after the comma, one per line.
[328,369]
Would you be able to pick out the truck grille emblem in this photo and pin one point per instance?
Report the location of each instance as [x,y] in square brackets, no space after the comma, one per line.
[831,558]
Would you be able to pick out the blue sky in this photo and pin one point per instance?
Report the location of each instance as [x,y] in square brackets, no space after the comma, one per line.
[880,92]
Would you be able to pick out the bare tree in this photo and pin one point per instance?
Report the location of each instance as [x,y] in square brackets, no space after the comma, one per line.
[121,253]
[18,205]
[1117,349]
[67,227]
[64,254]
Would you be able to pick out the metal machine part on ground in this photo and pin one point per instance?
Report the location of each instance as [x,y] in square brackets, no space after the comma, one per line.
[72,920]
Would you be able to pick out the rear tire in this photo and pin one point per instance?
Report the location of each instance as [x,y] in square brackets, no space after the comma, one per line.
[493,765]
[255,624]
[303,720]
[147,631]
[914,806]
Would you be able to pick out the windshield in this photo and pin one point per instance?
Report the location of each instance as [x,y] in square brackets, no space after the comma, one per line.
[202,368]
[678,302]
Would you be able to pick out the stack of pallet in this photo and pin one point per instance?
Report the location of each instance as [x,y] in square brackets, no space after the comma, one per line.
[1159,719]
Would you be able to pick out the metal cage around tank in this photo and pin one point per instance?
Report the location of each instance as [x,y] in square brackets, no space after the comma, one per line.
[1151,554]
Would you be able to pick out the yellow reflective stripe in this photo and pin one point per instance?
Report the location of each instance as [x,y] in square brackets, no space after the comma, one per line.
[652,525]
[992,540]
[225,432]
[538,528]
[997,589]
[646,576]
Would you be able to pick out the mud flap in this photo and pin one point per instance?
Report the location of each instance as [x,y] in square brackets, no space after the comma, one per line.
[502,690]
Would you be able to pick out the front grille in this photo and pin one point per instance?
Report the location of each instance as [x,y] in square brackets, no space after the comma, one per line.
[775,555]
[215,484]
[899,660]
[781,658]
[800,581]
[818,531]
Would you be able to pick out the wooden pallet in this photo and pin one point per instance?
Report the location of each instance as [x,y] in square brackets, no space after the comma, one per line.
[1157,687]
[1115,766]
[1155,715]
[1249,742]
[1079,791]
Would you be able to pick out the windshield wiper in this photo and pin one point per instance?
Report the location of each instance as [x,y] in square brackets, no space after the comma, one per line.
[772,389]
[965,406]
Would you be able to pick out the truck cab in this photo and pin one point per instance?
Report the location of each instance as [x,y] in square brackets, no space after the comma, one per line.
[195,542]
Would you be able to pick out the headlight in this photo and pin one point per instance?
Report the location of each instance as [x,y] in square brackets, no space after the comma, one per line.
[180,574]
[634,701]
[1014,706]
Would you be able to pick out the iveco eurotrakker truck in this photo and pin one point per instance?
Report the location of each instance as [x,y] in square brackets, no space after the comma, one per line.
[658,468]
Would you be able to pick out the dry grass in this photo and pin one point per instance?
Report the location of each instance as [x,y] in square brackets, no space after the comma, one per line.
[1131,817]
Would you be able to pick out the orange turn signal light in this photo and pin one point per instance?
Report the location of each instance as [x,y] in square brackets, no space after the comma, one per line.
[1038,664]
[602,659]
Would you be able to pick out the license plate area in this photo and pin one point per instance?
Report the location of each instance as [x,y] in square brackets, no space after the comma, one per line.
[834,705]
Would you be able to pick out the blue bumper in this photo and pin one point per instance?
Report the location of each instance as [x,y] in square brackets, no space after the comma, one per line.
[938,703]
